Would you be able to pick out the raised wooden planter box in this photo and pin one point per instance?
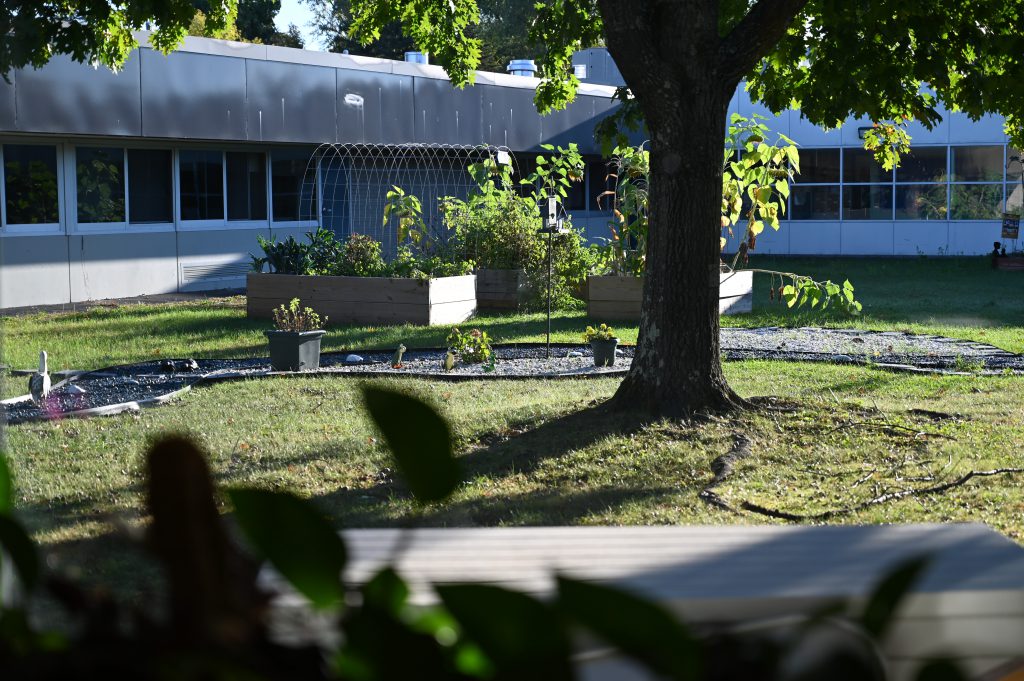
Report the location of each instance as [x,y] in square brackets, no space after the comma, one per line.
[500,289]
[366,300]
[619,297]
[1013,263]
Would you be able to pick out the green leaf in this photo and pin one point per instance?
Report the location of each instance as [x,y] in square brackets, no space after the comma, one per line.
[386,591]
[637,627]
[6,486]
[420,441]
[756,227]
[22,551]
[887,596]
[299,542]
[782,187]
[522,636]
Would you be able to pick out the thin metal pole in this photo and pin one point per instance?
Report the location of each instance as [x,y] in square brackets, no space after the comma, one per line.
[550,236]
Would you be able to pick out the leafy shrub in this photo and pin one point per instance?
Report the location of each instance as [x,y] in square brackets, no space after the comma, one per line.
[473,347]
[361,257]
[296,318]
[287,257]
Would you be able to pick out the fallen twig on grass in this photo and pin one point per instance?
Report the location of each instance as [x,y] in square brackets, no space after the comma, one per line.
[887,426]
[880,499]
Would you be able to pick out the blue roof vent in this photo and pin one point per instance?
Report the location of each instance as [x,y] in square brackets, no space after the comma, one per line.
[416,58]
[522,67]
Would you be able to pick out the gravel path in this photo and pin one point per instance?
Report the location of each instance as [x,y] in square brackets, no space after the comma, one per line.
[136,385]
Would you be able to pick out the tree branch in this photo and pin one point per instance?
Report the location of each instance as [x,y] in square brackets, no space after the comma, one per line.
[752,38]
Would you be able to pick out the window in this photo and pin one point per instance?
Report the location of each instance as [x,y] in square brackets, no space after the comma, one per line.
[576,194]
[867,202]
[150,186]
[814,203]
[247,185]
[100,184]
[201,176]
[293,195]
[818,165]
[976,202]
[978,164]
[921,201]
[30,184]
[599,175]
[859,165]
[923,164]
[1014,180]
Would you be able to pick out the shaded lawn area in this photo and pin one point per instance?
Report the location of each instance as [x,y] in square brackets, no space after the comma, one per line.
[543,452]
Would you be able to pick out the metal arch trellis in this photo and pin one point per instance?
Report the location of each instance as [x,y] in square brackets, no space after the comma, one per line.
[345,186]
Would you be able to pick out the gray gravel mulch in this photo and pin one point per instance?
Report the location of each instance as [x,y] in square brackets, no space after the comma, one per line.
[133,386]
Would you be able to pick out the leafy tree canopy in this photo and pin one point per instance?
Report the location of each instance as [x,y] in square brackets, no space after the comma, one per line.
[97,32]
[256,23]
[882,60]
[502,33]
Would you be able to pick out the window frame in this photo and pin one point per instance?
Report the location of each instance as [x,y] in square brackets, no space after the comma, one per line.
[44,228]
[1001,183]
[293,224]
[125,227]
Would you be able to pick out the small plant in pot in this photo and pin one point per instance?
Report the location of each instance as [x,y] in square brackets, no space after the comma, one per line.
[295,343]
[603,342]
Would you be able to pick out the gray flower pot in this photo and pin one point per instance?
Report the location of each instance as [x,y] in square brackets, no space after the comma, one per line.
[295,350]
[604,351]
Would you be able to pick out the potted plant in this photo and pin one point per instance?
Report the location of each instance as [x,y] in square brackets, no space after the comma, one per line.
[603,342]
[295,343]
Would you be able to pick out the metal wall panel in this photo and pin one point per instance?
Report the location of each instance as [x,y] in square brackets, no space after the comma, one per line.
[71,98]
[986,130]
[217,250]
[916,238]
[445,114]
[124,264]
[510,117]
[575,123]
[376,108]
[33,271]
[193,96]
[866,238]
[290,102]
[8,112]
[814,238]
[972,238]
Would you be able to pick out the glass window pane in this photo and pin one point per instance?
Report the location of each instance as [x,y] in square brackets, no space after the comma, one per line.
[978,164]
[598,173]
[1015,181]
[30,184]
[100,174]
[818,165]
[976,202]
[860,165]
[921,202]
[150,186]
[247,185]
[867,202]
[294,195]
[814,203]
[201,175]
[923,164]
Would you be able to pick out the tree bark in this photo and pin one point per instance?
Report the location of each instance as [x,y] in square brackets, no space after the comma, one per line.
[683,75]
[677,368]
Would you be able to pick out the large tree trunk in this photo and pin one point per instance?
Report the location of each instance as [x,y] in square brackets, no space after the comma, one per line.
[677,368]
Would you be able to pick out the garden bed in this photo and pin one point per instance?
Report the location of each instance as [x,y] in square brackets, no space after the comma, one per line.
[500,289]
[1012,263]
[366,300]
[619,298]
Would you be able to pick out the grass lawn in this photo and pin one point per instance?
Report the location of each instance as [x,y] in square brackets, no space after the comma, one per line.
[544,452]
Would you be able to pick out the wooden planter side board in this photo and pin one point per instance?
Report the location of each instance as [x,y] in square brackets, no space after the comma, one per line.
[1011,263]
[618,298]
[366,300]
[500,289]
